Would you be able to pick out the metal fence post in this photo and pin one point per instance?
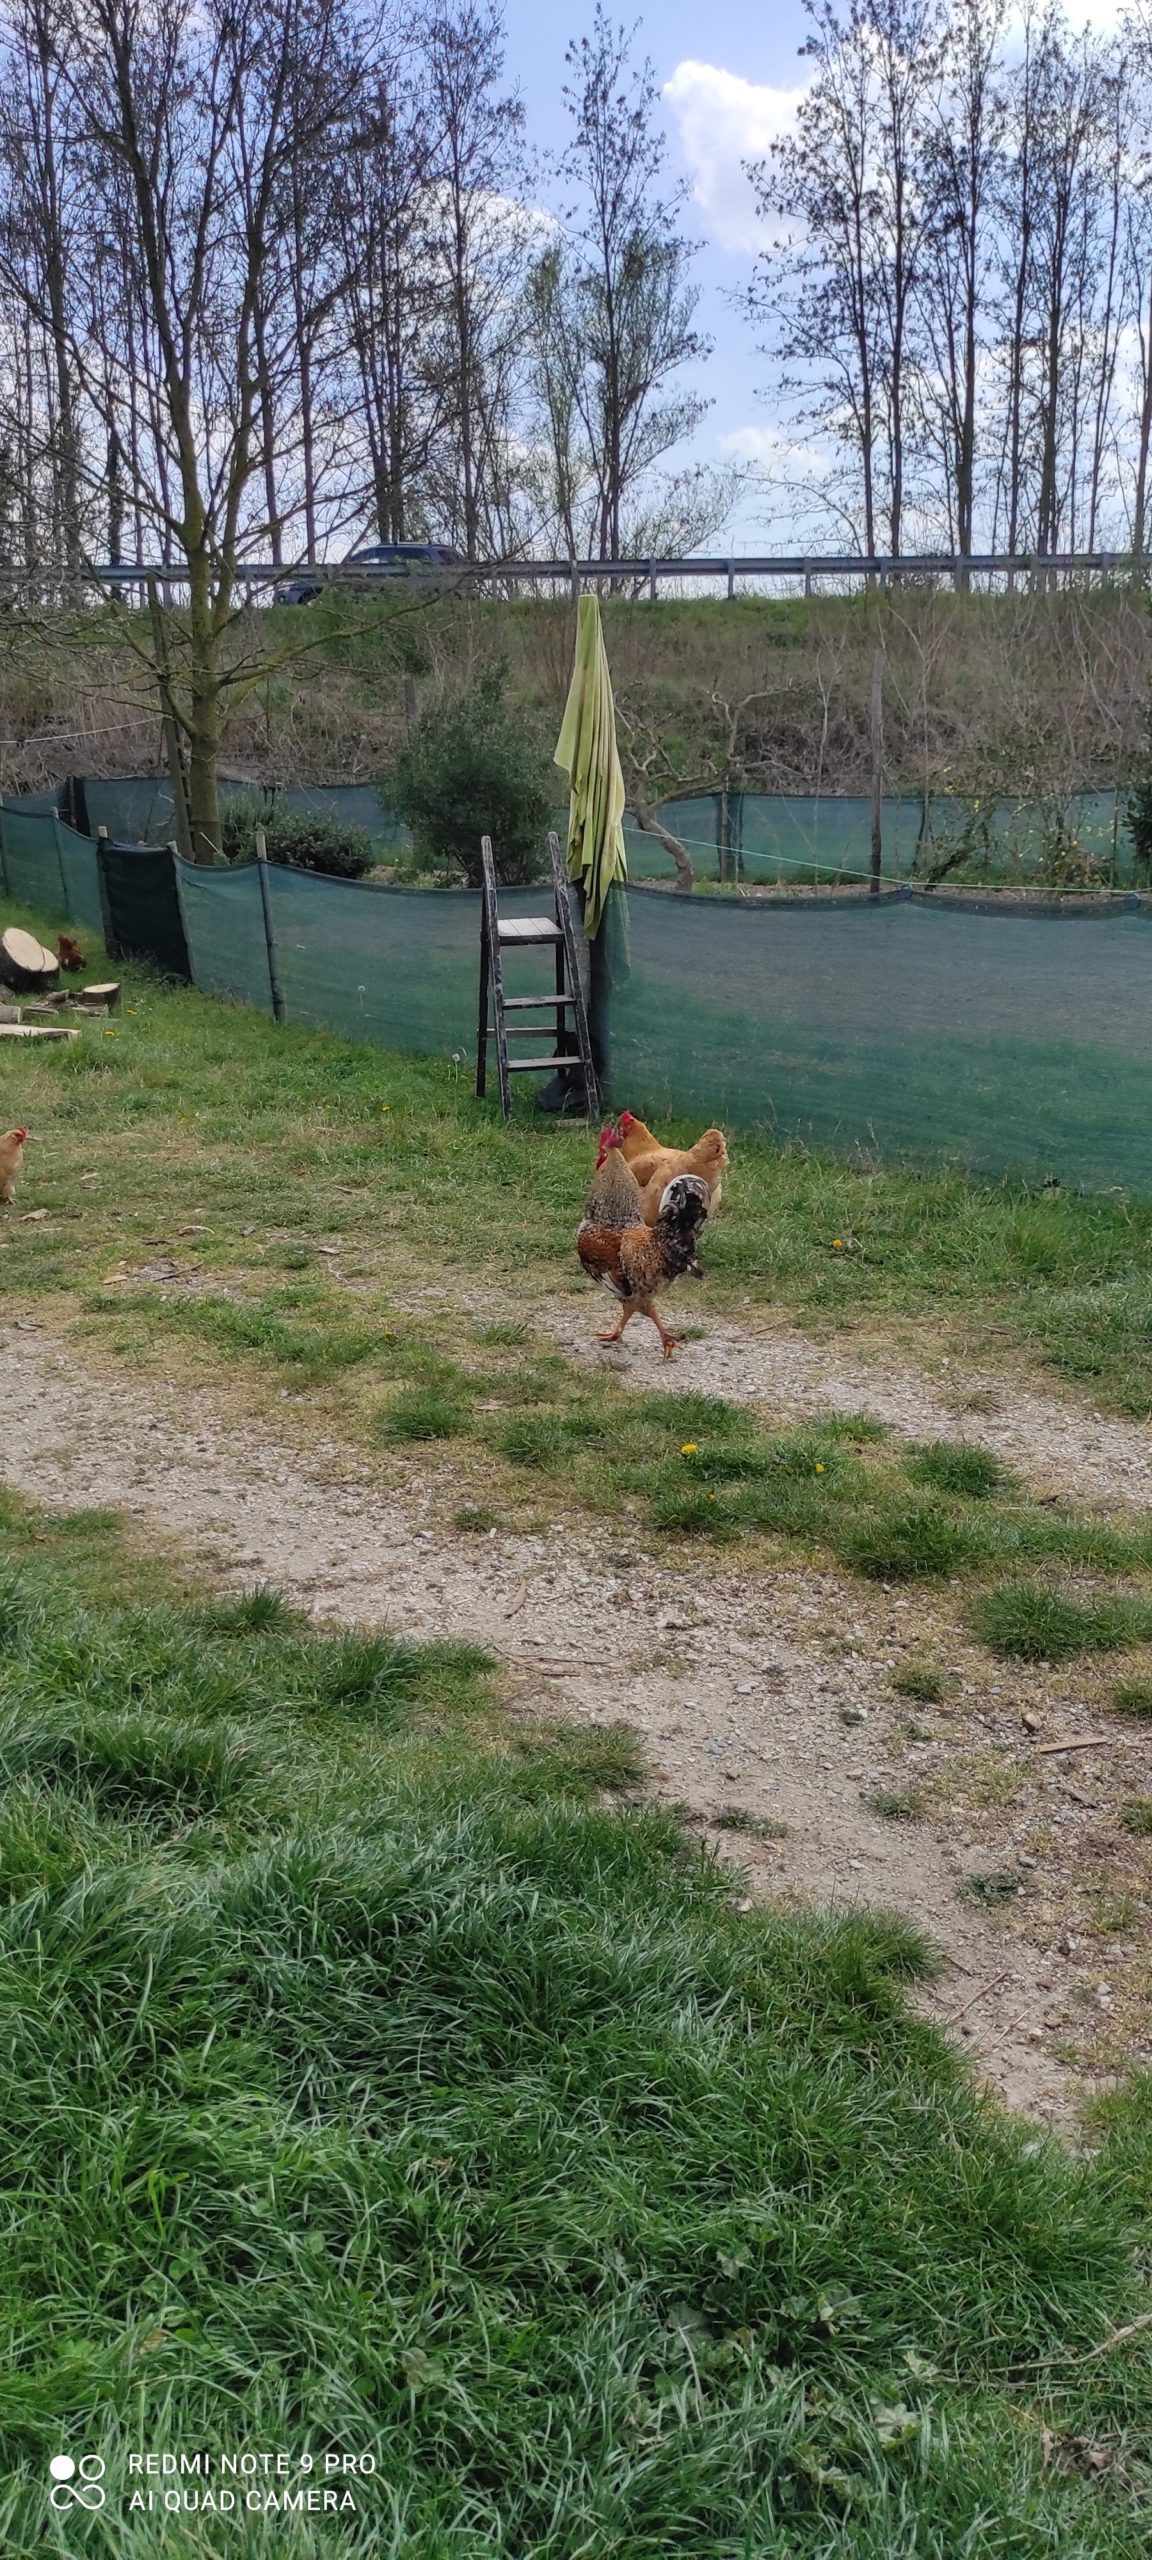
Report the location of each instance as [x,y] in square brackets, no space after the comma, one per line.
[269,937]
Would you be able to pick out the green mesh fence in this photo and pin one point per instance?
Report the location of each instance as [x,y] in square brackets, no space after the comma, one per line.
[44,864]
[762,838]
[1001,1037]
[142,905]
[224,930]
[1008,1042]
[138,809]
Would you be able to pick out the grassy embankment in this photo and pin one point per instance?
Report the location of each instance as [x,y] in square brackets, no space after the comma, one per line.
[1027,696]
[372,2087]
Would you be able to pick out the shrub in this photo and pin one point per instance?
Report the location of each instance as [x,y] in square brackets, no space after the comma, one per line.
[304,839]
[476,767]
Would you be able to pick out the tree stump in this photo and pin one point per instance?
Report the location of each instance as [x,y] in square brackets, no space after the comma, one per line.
[25,965]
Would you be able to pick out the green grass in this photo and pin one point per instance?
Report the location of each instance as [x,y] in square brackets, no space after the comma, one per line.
[921,1680]
[1133,1697]
[1031,1623]
[367,2085]
[195,1115]
[330,1210]
[1137,1816]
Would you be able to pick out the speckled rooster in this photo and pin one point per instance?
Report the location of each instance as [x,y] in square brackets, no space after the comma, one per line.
[636,1261]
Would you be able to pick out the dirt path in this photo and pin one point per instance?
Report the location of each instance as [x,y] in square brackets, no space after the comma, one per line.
[761,1695]
[1053,1440]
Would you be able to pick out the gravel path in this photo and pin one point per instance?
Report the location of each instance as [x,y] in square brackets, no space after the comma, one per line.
[1054,1441]
[759,1693]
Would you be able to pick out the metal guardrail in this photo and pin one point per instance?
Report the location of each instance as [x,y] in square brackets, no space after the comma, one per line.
[731,571]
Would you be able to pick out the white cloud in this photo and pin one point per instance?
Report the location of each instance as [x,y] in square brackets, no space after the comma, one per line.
[724,121]
[772,450]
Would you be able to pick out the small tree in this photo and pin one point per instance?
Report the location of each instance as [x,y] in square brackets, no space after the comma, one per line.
[476,767]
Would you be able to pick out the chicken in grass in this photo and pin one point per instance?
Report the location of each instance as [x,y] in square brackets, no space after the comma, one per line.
[632,1259]
[11,1156]
[70,955]
[655,1166]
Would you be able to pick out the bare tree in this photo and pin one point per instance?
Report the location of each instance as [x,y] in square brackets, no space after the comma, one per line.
[479,244]
[183,125]
[962,141]
[614,303]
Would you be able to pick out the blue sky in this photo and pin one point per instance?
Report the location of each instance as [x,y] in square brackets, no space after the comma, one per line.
[729,73]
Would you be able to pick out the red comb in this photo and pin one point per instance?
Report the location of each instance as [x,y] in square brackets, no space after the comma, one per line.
[20,1135]
[609,1138]
[627,1121]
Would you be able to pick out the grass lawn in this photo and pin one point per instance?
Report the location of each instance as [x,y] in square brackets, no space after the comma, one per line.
[191,1166]
[194,1118]
[378,2082]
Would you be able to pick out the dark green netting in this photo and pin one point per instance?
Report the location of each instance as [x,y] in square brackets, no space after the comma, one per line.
[44,864]
[142,905]
[805,839]
[224,928]
[135,810]
[81,871]
[39,804]
[356,805]
[138,809]
[398,966]
[1003,1037]
[1006,1042]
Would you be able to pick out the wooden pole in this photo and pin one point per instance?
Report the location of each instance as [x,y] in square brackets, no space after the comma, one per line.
[877,770]
[269,937]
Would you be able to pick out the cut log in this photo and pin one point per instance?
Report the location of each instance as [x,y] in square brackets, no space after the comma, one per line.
[106,994]
[34,1031]
[25,965]
[10,1013]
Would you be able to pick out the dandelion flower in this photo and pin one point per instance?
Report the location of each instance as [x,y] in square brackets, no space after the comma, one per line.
[687,1448]
[819,1467]
[837,1244]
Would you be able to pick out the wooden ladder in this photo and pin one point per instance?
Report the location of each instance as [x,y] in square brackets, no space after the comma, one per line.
[499,934]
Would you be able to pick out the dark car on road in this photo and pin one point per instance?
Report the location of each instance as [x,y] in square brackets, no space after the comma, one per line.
[426,561]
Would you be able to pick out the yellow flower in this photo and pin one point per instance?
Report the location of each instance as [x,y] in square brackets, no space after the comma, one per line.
[688,1449]
[837,1244]
[819,1468]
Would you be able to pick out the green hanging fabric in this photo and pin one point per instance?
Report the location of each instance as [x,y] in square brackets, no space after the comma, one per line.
[586,751]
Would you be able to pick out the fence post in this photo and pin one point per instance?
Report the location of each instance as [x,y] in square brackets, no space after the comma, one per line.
[269,937]
[3,864]
[877,769]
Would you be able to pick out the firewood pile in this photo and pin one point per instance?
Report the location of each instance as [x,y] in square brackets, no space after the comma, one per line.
[40,1007]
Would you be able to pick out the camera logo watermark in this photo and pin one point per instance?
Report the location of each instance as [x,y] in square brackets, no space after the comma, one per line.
[77,2484]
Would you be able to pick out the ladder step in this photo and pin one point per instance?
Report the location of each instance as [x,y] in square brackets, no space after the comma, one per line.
[527,1066]
[523,1031]
[528,929]
[520,1004]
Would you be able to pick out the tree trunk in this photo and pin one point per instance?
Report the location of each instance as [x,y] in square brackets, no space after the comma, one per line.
[646,817]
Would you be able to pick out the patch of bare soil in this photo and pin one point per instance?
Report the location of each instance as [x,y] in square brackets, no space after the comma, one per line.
[764,1698]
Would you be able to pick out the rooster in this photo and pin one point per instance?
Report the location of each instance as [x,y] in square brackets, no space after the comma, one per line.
[11,1151]
[632,1259]
[655,1166]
